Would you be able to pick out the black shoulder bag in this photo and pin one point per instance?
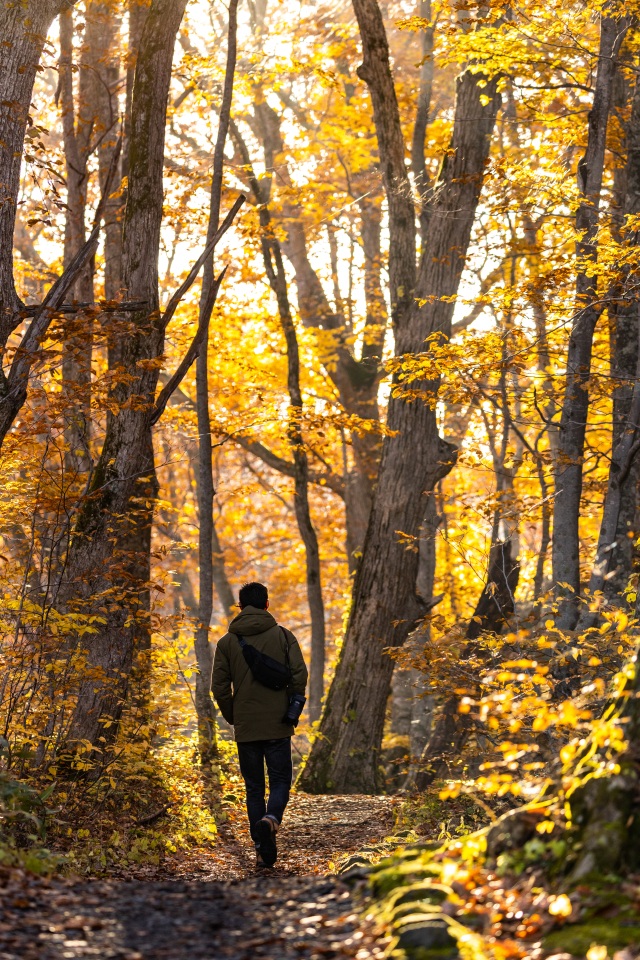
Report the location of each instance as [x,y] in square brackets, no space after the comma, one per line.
[267,671]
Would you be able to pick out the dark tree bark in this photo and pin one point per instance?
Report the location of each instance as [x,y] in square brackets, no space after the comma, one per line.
[102,41]
[620,494]
[87,119]
[209,554]
[137,11]
[277,278]
[356,378]
[497,600]
[385,604]
[494,608]
[274,267]
[412,702]
[423,110]
[23,30]
[112,538]
[575,408]
[624,320]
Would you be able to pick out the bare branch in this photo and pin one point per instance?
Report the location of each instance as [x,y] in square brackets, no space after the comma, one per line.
[14,387]
[287,467]
[195,270]
[174,382]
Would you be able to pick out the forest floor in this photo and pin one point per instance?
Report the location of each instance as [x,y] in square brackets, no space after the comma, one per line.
[211,903]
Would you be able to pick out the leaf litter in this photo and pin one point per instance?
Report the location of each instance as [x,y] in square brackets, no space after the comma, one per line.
[211,903]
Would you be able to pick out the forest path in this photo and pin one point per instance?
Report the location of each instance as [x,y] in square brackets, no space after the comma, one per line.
[212,904]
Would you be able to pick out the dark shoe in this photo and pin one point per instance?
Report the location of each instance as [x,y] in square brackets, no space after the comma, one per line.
[260,864]
[266,835]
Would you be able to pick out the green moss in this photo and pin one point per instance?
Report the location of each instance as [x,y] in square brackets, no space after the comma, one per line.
[577,938]
[420,907]
[401,871]
[430,892]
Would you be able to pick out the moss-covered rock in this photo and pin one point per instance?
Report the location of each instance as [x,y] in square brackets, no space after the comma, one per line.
[426,937]
[391,874]
[426,891]
[577,938]
[422,907]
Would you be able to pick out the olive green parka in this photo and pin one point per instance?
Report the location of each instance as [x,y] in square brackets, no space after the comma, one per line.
[255,711]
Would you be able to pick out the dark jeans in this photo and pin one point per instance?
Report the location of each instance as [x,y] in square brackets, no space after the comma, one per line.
[252,756]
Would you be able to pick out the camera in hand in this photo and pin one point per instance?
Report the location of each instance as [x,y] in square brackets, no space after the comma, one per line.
[296,704]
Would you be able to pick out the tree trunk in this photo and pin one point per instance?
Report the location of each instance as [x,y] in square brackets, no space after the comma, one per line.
[385,606]
[356,379]
[494,608]
[627,402]
[575,408]
[497,600]
[274,267]
[277,278]
[624,321]
[407,710]
[423,110]
[411,682]
[622,459]
[111,543]
[102,31]
[23,30]
[78,120]
[208,541]
[138,11]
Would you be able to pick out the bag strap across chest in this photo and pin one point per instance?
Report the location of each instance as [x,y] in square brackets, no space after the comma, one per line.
[264,669]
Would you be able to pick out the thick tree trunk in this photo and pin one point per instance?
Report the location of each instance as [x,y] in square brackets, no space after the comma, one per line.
[626,434]
[23,30]
[111,543]
[412,698]
[208,543]
[385,605]
[624,321]
[138,11]
[622,459]
[575,408]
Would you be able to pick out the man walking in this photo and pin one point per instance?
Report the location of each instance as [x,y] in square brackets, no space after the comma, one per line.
[261,729]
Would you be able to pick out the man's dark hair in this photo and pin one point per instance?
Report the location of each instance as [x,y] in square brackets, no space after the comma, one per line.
[253,595]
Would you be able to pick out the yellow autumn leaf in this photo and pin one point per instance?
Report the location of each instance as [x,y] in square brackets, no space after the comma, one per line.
[560,906]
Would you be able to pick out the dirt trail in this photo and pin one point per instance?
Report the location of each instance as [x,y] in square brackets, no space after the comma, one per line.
[211,904]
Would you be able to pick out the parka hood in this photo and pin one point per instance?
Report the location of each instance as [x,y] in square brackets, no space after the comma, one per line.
[251,621]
